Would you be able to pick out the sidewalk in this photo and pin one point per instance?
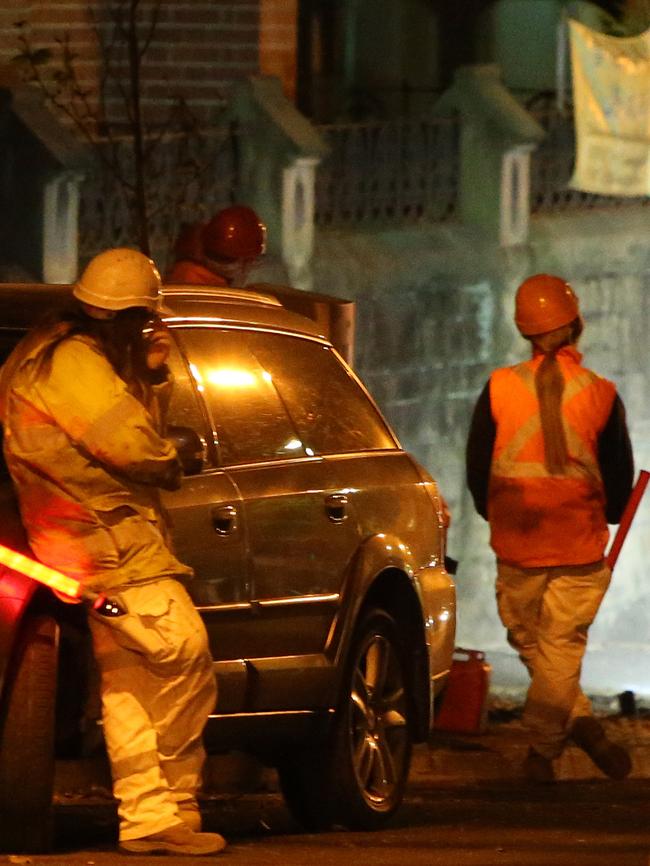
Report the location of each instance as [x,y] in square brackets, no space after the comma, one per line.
[498,753]
[448,759]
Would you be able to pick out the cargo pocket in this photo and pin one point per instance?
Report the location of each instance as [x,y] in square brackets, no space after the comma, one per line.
[162,625]
[142,629]
[184,627]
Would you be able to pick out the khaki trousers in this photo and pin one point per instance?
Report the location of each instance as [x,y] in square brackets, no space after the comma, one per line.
[157,690]
[547,613]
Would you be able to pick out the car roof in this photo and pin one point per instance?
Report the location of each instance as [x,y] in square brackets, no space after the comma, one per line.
[22,305]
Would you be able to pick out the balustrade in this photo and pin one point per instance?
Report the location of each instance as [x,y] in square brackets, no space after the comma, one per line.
[388,172]
[378,173]
[189,178]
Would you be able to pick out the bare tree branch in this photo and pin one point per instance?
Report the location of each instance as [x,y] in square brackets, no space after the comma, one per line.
[123,33]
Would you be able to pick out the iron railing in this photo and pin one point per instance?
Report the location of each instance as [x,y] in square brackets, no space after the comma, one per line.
[403,171]
[376,173]
[388,172]
[189,177]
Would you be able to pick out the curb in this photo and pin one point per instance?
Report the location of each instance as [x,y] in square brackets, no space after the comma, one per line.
[495,755]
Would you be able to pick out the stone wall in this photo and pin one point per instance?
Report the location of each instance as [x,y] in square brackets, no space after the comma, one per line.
[434,317]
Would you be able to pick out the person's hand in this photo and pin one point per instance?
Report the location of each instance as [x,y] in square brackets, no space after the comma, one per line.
[446,513]
[159,343]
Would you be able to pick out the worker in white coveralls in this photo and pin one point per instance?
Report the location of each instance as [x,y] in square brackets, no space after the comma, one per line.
[82,402]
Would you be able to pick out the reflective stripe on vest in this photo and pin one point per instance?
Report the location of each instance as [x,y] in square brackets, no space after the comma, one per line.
[583,461]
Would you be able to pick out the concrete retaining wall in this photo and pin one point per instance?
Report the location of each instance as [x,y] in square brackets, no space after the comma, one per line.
[434,316]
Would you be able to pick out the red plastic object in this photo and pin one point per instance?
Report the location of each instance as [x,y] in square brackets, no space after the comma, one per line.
[628,516]
[464,702]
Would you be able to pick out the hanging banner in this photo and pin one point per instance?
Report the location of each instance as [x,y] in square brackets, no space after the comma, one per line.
[611,98]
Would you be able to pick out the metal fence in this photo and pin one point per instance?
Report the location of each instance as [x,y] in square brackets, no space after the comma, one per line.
[388,172]
[400,172]
[377,173]
[188,178]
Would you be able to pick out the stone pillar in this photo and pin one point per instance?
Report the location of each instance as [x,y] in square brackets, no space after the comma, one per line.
[60,227]
[280,151]
[497,136]
[515,196]
[298,184]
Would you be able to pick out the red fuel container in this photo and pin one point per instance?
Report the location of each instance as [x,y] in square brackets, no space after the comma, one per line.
[464,701]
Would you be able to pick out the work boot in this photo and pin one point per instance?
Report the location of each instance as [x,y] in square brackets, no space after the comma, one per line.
[590,736]
[191,817]
[178,839]
[538,769]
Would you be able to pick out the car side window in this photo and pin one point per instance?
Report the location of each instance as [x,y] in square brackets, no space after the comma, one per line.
[251,423]
[185,409]
[330,410]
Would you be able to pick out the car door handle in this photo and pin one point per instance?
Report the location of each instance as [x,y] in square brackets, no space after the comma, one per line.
[336,507]
[224,519]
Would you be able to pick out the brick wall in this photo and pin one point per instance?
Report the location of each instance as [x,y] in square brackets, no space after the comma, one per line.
[278,38]
[197,49]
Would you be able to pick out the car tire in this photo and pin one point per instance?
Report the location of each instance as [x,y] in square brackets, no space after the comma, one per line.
[358,778]
[27,720]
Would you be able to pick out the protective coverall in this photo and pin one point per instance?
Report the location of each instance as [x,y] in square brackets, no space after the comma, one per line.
[549,529]
[87,456]
[191,272]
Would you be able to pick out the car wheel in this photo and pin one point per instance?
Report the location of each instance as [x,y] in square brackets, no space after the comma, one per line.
[27,720]
[358,778]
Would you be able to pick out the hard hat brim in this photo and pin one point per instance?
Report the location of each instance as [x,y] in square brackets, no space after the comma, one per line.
[81,293]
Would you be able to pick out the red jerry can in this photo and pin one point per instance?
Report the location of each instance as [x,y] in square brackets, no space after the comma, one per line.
[464,701]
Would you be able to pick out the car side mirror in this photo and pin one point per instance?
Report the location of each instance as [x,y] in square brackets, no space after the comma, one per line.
[190,448]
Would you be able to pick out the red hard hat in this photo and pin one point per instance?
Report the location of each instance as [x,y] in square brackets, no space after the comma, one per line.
[544,303]
[234,233]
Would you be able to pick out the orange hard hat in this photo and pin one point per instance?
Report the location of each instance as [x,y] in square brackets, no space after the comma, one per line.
[544,303]
[234,233]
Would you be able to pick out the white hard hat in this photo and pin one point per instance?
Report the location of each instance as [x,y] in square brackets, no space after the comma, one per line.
[119,278]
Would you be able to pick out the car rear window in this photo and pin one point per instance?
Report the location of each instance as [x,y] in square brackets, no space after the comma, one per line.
[330,410]
[247,413]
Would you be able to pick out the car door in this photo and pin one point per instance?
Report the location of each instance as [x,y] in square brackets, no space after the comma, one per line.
[299,536]
[209,535]
[362,462]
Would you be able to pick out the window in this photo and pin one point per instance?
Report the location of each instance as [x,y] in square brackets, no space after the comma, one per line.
[247,413]
[184,408]
[331,412]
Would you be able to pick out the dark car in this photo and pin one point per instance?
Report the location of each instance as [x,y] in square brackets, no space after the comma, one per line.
[318,547]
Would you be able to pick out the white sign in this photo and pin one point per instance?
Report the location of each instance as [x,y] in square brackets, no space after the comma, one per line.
[611,98]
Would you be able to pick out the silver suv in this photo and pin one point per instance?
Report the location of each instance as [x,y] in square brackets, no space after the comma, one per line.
[318,547]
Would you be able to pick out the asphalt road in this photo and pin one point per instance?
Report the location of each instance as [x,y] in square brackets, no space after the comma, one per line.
[599,823]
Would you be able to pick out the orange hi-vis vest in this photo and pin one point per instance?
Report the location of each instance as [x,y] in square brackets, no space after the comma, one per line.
[536,518]
[189,272]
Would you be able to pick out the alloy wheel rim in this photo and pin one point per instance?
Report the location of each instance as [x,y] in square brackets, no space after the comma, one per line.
[378,724]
